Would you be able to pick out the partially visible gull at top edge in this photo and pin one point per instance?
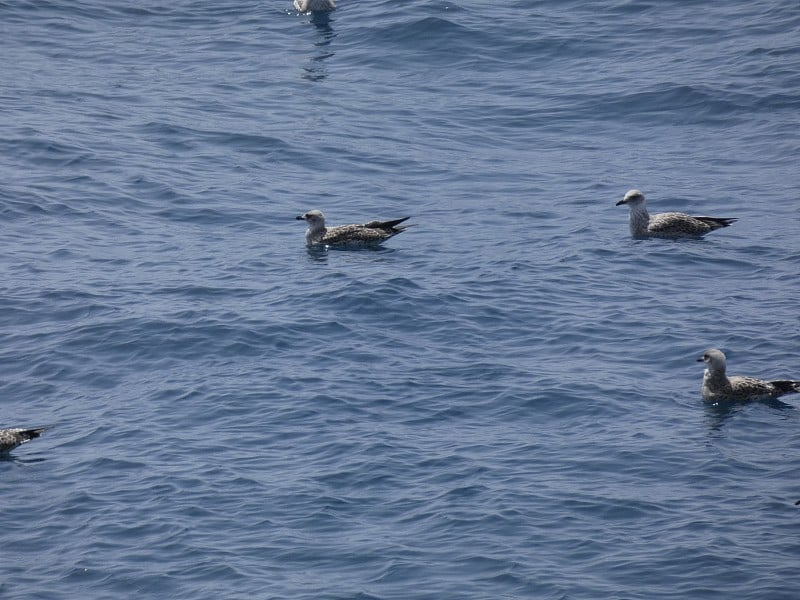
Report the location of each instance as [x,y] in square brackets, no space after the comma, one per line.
[11,438]
[305,6]
[368,234]
[669,224]
[738,388]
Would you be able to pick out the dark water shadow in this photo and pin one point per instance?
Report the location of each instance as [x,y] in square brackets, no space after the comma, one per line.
[317,253]
[315,69]
[12,458]
[719,412]
[321,252]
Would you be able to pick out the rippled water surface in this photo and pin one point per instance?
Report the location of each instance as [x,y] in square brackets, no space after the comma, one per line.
[503,402]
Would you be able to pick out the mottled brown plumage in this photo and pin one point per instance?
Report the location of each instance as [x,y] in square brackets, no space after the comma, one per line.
[738,388]
[669,224]
[11,438]
[368,234]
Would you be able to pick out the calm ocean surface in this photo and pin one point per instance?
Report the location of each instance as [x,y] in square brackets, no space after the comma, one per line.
[502,403]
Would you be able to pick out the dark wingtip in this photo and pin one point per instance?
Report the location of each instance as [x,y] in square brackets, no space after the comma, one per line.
[716,222]
[394,222]
[786,386]
[397,222]
[386,225]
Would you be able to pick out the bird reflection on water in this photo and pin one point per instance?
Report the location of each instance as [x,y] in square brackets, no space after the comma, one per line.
[718,413]
[315,69]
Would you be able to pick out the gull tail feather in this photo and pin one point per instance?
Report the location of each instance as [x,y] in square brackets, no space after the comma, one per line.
[787,386]
[717,222]
[386,224]
[30,434]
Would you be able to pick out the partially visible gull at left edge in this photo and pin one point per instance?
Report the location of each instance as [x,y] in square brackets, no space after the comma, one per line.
[368,234]
[11,438]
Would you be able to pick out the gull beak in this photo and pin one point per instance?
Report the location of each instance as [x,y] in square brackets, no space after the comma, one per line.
[700,359]
[620,202]
[300,218]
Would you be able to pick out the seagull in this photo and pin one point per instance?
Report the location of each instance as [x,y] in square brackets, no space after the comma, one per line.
[305,6]
[368,234]
[718,386]
[670,224]
[11,438]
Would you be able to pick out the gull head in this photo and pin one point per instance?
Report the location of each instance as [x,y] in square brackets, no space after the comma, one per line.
[314,218]
[714,359]
[633,197]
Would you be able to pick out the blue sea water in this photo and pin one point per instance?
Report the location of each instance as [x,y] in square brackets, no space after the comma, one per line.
[501,403]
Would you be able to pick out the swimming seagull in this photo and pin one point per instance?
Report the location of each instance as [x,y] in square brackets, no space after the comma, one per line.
[368,234]
[670,224]
[305,6]
[11,438]
[718,386]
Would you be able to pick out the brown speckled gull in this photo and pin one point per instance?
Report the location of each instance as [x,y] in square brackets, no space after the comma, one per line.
[670,224]
[718,386]
[368,234]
